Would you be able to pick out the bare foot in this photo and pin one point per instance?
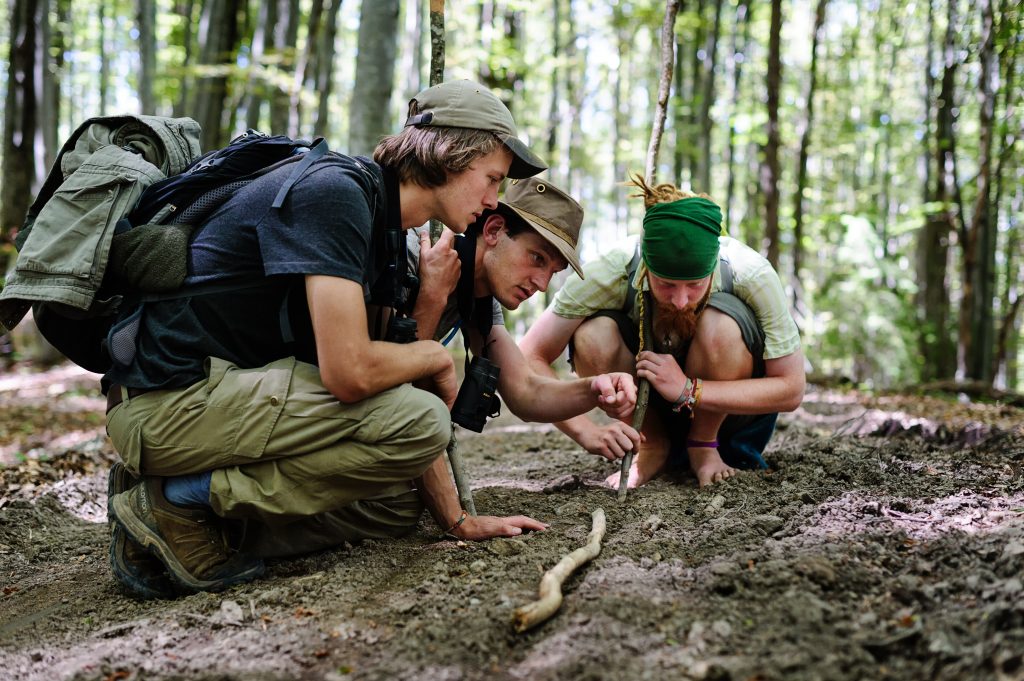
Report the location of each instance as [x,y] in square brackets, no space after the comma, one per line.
[708,466]
[647,465]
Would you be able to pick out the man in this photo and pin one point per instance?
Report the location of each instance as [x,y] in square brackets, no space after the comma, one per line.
[273,404]
[507,255]
[726,352]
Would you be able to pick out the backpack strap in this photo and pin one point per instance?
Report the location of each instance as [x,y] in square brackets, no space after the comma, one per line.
[315,152]
[634,265]
[473,312]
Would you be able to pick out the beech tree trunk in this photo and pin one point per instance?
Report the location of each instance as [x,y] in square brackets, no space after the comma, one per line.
[770,165]
[147,55]
[21,113]
[218,35]
[370,114]
[977,333]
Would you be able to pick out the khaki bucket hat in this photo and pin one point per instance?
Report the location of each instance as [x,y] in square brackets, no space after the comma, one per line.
[465,104]
[555,215]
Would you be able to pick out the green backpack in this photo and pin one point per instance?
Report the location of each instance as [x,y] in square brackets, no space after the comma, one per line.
[64,245]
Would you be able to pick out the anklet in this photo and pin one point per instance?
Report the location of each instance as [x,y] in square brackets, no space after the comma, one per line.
[710,444]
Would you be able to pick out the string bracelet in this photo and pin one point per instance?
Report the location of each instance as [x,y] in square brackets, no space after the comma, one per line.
[711,444]
[462,519]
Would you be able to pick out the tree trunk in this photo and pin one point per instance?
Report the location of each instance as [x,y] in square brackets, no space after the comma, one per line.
[259,71]
[770,165]
[305,69]
[554,108]
[286,35]
[976,319]
[147,55]
[805,143]
[21,112]
[218,35]
[707,100]
[52,105]
[1003,364]
[181,105]
[104,55]
[740,38]
[938,351]
[370,117]
[325,69]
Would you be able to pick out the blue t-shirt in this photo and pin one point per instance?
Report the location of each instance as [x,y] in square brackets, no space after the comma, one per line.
[324,227]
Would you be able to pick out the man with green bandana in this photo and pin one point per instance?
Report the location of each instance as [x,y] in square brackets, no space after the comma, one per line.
[726,352]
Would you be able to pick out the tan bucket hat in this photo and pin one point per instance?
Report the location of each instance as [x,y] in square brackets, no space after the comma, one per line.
[465,104]
[555,215]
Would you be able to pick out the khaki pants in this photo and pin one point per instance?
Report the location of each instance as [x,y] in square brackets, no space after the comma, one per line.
[283,451]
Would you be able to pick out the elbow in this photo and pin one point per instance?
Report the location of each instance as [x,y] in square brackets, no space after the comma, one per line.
[346,388]
[795,397]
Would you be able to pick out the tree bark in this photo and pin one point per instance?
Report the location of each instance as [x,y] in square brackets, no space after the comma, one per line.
[305,69]
[805,143]
[369,118]
[976,320]
[770,165]
[285,38]
[262,47]
[938,351]
[707,100]
[218,35]
[181,104]
[21,111]
[740,38]
[325,69]
[147,55]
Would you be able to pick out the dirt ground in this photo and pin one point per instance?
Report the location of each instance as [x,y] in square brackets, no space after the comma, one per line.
[886,542]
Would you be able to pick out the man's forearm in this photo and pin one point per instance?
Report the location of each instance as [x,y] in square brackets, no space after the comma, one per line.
[439,495]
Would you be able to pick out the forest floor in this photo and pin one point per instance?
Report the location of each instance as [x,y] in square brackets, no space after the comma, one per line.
[886,542]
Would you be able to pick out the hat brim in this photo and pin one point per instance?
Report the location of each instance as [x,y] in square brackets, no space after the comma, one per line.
[524,162]
[563,247]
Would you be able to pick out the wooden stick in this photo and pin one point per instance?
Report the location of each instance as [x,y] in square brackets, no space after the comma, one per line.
[668,44]
[459,473]
[642,397]
[550,592]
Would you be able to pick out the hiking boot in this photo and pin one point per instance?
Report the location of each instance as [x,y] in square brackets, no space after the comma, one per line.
[134,567]
[190,542]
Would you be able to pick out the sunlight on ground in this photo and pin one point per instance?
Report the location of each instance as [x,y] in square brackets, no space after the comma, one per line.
[964,511]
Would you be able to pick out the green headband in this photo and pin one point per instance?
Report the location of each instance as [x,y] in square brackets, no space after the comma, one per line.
[681,238]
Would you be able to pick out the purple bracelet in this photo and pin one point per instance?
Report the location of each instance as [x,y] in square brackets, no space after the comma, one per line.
[712,444]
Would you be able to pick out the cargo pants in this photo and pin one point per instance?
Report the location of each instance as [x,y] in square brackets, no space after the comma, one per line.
[305,470]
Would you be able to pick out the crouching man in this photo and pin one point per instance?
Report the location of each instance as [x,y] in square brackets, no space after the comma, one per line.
[275,403]
[507,255]
[726,352]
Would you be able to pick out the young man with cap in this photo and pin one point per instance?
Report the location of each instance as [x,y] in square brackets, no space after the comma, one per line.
[279,405]
[726,354]
[507,255]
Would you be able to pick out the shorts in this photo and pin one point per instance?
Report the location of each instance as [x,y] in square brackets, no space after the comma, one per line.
[741,438]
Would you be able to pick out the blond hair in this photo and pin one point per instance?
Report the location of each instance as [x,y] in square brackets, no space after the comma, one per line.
[660,193]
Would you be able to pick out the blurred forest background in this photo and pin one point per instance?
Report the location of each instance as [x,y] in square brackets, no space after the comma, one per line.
[871,149]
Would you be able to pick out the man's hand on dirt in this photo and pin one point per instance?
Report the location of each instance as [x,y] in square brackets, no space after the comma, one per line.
[616,394]
[479,527]
[439,264]
[611,441]
[663,372]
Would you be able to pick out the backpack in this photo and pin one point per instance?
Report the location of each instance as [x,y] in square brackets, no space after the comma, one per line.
[89,253]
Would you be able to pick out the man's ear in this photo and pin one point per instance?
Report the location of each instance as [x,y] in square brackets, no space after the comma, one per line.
[492,228]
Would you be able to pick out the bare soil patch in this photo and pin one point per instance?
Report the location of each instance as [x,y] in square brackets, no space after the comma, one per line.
[887,542]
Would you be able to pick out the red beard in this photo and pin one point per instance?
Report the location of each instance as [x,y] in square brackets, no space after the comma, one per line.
[673,328]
